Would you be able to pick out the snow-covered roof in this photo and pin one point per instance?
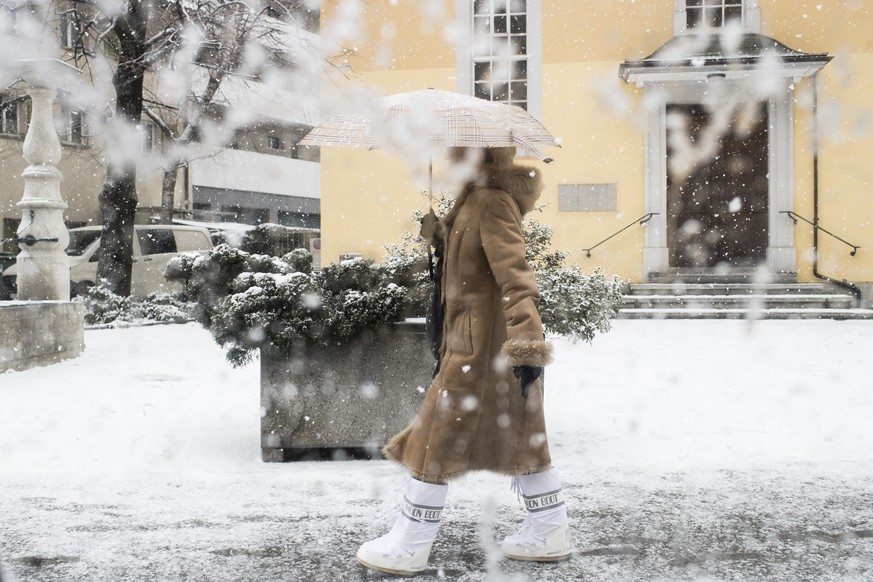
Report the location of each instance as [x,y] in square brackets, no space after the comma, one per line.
[233,226]
[239,227]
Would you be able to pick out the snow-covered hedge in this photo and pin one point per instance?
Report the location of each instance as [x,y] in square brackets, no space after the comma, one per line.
[102,307]
[578,305]
[573,304]
[249,301]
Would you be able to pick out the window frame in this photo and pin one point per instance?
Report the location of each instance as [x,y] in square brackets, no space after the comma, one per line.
[71,126]
[13,105]
[507,44]
[71,135]
[277,140]
[750,19]
[712,14]
[465,59]
[147,130]
[72,34]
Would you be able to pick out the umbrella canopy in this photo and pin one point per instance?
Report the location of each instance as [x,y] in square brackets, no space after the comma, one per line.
[433,120]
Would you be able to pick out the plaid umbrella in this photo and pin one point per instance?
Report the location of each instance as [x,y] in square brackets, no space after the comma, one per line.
[431,120]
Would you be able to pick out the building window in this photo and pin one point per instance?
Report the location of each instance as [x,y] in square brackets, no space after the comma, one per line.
[148,136]
[500,51]
[73,130]
[703,14]
[274,143]
[72,32]
[500,56]
[9,118]
[298,219]
[244,215]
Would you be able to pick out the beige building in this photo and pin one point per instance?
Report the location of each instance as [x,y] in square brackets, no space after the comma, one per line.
[702,134]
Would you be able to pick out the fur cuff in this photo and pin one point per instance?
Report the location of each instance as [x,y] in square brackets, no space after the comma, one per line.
[536,353]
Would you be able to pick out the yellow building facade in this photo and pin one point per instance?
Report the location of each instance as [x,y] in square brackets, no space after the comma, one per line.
[636,92]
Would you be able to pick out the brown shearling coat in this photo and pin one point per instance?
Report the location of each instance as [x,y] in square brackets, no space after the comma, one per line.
[473,416]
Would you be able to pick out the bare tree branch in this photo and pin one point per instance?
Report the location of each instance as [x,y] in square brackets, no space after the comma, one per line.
[165,129]
[159,37]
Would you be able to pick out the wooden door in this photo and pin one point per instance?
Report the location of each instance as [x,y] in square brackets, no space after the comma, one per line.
[718,213]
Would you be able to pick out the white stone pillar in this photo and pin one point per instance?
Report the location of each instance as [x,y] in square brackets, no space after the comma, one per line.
[43,266]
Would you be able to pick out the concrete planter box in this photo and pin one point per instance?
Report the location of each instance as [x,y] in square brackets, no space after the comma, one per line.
[39,333]
[353,396]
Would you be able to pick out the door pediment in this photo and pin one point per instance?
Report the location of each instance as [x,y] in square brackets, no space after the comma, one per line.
[695,57]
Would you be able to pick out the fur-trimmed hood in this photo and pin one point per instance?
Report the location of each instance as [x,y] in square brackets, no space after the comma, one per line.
[523,183]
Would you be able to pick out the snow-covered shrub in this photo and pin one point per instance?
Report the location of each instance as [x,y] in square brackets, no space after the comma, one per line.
[406,264]
[355,273]
[300,260]
[283,309]
[357,295]
[538,246]
[179,268]
[207,278]
[577,305]
[160,307]
[573,303]
[262,239]
[104,307]
[250,301]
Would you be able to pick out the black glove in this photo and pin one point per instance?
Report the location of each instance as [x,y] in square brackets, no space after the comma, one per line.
[526,375]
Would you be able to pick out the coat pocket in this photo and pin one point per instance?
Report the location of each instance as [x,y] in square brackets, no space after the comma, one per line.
[460,335]
[468,333]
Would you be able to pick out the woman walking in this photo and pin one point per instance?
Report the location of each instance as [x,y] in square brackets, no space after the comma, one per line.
[484,409]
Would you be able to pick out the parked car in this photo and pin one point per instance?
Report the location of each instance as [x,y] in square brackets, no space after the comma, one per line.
[153,247]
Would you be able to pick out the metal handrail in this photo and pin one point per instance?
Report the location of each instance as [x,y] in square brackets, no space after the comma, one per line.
[794,216]
[641,221]
[851,287]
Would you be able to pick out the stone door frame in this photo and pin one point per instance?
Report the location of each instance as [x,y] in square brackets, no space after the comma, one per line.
[781,252]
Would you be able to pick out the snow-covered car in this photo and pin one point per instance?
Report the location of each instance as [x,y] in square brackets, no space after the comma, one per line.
[153,247]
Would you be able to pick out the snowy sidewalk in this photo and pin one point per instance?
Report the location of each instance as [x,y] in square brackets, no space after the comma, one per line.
[690,450]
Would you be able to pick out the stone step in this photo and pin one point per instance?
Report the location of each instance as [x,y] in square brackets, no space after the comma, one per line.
[732,289]
[751,301]
[730,276]
[734,300]
[770,313]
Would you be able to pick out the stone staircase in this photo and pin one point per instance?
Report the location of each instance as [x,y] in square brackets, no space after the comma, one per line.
[731,300]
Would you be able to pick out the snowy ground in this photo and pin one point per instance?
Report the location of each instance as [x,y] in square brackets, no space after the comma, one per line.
[690,450]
